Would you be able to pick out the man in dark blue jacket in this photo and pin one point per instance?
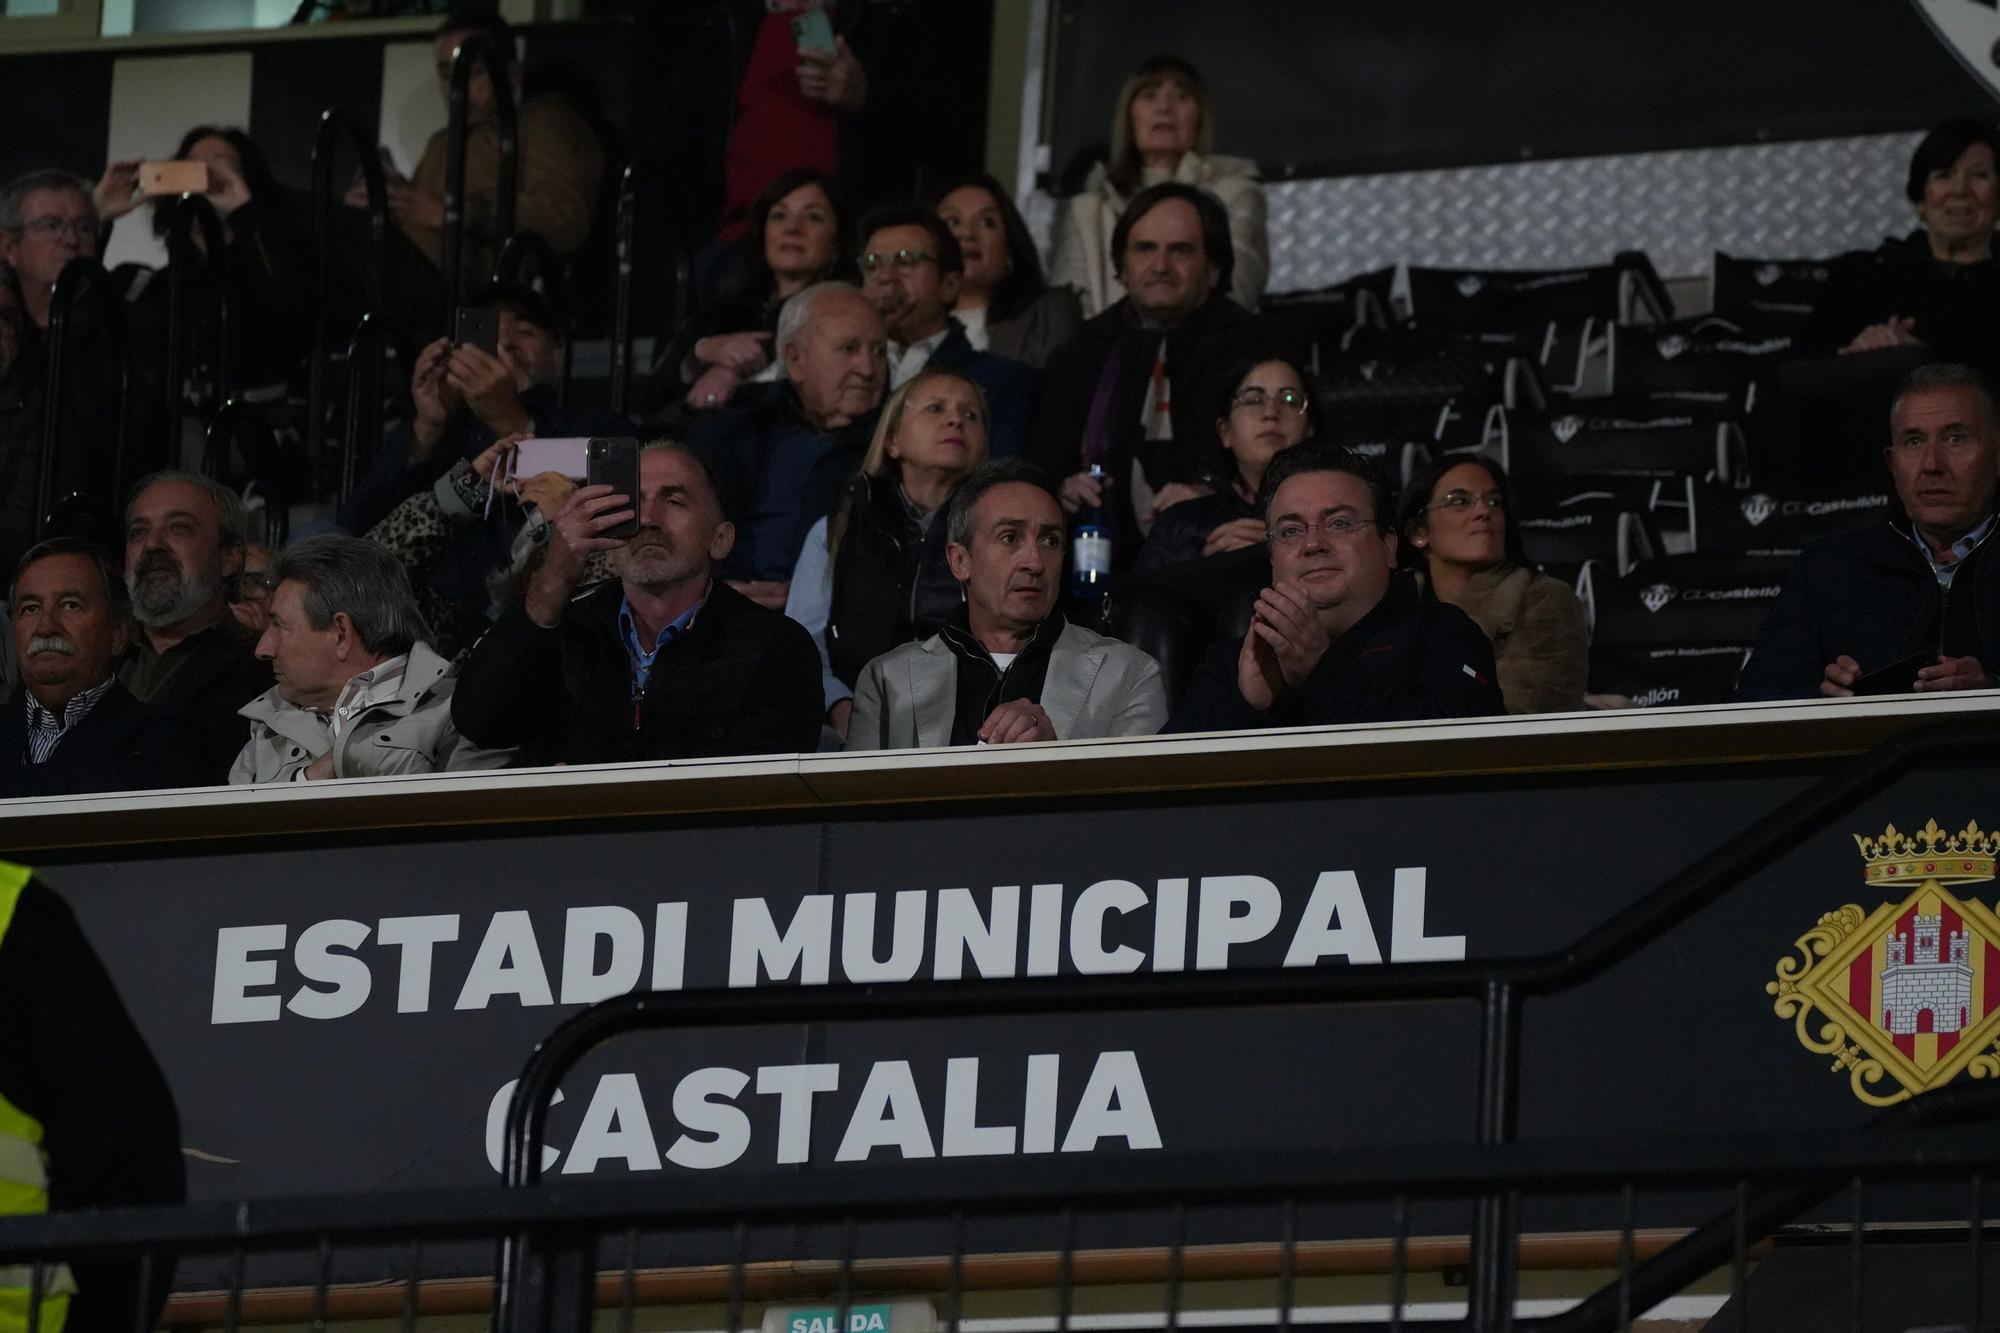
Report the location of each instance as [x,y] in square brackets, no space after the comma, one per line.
[76,729]
[1339,636]
[1913,604]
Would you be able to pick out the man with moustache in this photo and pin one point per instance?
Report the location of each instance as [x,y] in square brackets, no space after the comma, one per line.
[911,267]
[1010,668]
[184,541]
[76,729]
[1340,635]
[666,662]
[780,460]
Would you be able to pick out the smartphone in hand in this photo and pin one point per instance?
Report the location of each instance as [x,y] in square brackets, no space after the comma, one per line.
[478,327]
[1899,677]
[614,462]
[180,176]
[814,34]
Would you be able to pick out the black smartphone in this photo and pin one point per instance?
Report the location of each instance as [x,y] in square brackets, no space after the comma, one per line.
[1899,677]
[614,462]
[477,327]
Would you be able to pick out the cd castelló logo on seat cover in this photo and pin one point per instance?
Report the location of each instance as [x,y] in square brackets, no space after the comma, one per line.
[1905,997]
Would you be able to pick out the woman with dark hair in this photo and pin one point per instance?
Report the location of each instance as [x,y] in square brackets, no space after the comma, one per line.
[1939,287]
[1269,407]
[797,236]
[1162,129]
[1457,534]
[872,575]
[1004,302]
[267,263]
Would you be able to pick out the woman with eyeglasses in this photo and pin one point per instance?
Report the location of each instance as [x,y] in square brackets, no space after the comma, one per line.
[1457,536]
[1269,408]
[1006,305]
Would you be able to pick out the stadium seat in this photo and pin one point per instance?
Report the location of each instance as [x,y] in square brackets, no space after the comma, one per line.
[1798,297]
[1675,630]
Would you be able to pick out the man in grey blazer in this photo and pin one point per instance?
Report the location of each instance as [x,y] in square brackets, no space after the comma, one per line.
[1010,668]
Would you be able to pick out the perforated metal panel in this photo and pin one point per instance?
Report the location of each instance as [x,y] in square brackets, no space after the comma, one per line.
[1815,197]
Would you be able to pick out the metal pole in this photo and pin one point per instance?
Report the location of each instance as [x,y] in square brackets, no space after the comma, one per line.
[475,48]
[333,125]
[621,302]
[76,275]
[1490,1298]
[182,257]
[364,400]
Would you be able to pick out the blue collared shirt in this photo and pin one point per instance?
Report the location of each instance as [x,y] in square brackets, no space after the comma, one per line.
[1959,549]
[641,660]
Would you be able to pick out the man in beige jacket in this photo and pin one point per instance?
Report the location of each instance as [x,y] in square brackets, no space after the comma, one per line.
[359,693]
[1010,669]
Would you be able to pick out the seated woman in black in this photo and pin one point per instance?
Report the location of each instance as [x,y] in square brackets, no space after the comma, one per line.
[1938,287]
[1004,301]
[797,236]
[1269,408]
[872,575]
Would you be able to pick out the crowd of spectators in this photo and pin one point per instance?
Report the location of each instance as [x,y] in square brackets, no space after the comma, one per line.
[864,462]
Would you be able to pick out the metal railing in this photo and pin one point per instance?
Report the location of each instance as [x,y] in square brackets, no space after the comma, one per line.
[79,275]
[525,257]
[475,48]
[361,427]
[680,276]
[334,126]
[245,427]
[189,212]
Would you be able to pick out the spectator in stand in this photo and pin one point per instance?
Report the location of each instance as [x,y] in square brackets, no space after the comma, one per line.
[267,264]
[560,165]
[250,600]
[77,729]
[1008,667]
[797,237]
[359,693]
[1162,130]
[1129,392]
[1004,301]
[20,433]
[1457,536]
[874,574]
[1916,598]
[1339,636]
[1269,408]
[781,463]
[184,544]
[1938,286]
[665,662]
[49,217]
[463,398]
[911,269]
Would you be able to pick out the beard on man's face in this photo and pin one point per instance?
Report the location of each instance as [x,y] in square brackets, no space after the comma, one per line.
[163,592]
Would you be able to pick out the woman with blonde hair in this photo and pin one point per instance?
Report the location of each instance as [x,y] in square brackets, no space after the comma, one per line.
[872,574]
[1162,130]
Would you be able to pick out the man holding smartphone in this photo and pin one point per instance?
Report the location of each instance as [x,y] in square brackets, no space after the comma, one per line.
[1913,604]
[665,662]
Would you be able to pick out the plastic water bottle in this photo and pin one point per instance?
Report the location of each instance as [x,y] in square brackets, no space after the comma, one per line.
[1090,544]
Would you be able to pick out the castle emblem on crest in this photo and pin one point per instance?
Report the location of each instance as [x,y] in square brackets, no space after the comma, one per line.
[1906,997]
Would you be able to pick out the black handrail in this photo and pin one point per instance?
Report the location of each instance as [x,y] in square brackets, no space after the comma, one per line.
[79,273]
[246,426]
[335,124]
[527,252]
[364,402]
[1500,986]
[182,256]
[475,47]
[621,298]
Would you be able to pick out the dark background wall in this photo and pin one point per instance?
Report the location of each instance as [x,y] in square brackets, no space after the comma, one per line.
[1313,89]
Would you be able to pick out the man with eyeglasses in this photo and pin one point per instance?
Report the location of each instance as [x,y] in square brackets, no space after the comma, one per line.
[47,218]
[911,267]
[1340,636]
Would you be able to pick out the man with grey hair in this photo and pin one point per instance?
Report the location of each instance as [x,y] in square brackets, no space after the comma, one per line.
[47,218]
[184,543]
[664,662]
[359,692]
[1911,604]
[1010,668]
[781,457]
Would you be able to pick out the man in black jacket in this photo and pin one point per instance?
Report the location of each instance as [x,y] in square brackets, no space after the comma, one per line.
[1913,604]
[77,729]
[1339,636]
[669,662]
[1133,385]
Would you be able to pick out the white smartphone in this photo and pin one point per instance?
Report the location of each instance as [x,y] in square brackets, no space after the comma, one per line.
[567,456]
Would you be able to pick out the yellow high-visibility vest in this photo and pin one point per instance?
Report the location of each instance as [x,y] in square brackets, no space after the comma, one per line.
[24,1176]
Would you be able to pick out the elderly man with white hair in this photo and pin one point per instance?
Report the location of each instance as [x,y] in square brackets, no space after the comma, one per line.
[781,458]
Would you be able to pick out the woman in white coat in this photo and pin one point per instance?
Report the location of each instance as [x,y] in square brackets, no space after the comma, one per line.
[1162,130]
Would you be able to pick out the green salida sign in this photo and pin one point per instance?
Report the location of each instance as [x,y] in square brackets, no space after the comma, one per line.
[826,1319]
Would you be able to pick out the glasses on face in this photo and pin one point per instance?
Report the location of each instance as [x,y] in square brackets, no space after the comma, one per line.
[1293,530]
[1289,401]
[903,261]
[1464,500]
[50,227]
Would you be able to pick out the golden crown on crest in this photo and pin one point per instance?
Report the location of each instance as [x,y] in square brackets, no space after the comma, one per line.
[1964,857]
